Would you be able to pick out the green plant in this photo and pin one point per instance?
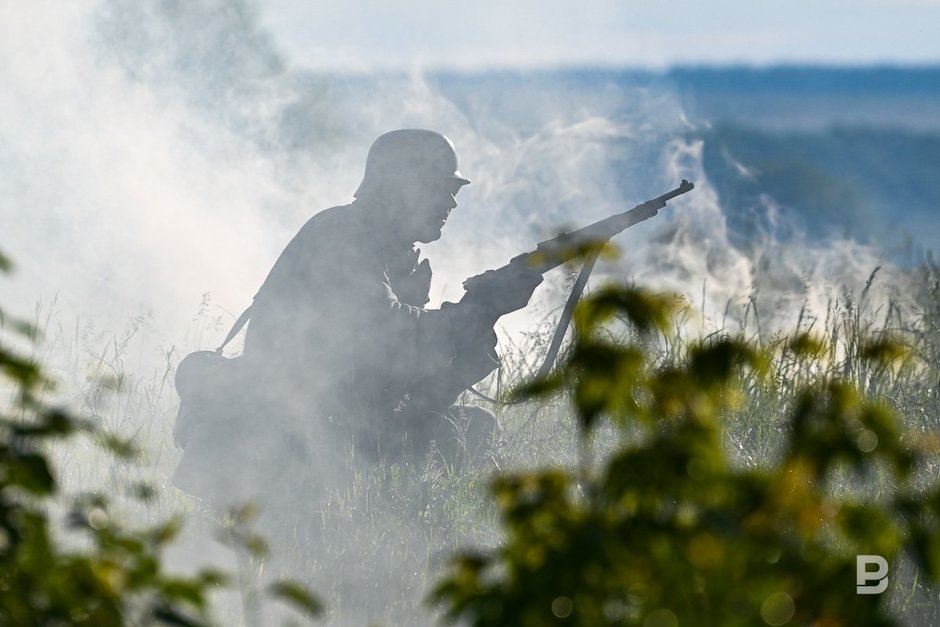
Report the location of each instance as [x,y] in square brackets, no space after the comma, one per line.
[664,529]
[90,569]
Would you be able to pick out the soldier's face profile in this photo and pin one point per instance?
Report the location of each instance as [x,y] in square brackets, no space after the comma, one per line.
[430,203]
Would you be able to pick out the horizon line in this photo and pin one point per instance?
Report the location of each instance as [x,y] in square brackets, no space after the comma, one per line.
[623,68]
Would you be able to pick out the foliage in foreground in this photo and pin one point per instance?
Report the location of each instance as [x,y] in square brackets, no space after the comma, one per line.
[667,531]
[102,573]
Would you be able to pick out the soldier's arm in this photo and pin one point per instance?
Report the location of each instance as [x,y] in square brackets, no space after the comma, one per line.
[442,337]
[497,293]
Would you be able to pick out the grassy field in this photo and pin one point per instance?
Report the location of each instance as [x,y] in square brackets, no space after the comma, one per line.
[373,547]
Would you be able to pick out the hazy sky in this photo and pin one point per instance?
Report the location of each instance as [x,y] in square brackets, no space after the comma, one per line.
[475,34]
[158,152]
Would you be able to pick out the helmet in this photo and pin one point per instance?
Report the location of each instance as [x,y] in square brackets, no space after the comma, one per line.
[410,155]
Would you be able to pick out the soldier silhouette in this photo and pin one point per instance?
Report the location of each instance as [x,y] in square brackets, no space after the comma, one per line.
[340,350]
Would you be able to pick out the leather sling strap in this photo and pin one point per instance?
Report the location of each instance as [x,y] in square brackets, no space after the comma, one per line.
[239,324]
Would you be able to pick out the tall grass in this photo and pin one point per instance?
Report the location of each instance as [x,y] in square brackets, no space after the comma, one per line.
[373,548]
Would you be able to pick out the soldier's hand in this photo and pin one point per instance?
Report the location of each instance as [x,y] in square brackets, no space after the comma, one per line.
[502,291]
[517,288]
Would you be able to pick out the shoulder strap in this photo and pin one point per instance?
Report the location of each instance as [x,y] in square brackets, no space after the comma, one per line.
[239,324]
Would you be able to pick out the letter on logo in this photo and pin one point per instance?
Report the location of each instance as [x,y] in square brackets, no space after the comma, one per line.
[864,576]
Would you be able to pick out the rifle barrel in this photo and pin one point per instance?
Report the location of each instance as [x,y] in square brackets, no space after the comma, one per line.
[553,252]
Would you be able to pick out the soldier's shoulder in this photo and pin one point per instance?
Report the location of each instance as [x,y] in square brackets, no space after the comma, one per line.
[336,221]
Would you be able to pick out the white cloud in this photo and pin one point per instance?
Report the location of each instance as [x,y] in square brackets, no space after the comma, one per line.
[525,33]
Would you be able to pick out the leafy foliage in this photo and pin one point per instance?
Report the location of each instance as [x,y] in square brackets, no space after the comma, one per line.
[666,530]
[108,575]
[119,580]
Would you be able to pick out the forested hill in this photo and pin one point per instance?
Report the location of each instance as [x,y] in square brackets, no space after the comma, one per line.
[837,151]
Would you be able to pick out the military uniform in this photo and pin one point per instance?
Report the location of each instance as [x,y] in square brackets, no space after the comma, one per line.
[340,351]
[340,320]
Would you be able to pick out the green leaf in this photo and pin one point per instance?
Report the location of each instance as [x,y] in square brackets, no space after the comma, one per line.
[538,388]
[22,371]
[118,446]
[256,545]
[188,590]
[30,471]
[143,491]
[298,596]
[646,311]
[6,265]
[884,351]
[54,422]
[213,577]
[806,345]
[714,364]
[165,533]
[170,615]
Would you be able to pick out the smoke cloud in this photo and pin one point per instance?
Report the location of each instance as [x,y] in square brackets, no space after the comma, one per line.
[154,153]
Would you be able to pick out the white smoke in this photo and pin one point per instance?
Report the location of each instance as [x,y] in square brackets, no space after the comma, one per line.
[115,198]
[151,152]
[768,288]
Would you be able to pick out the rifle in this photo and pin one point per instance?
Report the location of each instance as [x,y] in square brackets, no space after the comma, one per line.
[566,246]
[554,252]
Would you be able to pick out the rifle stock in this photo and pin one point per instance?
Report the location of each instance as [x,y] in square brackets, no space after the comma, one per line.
[566,246]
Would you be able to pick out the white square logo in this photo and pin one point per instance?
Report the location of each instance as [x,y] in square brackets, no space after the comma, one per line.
[865,577]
